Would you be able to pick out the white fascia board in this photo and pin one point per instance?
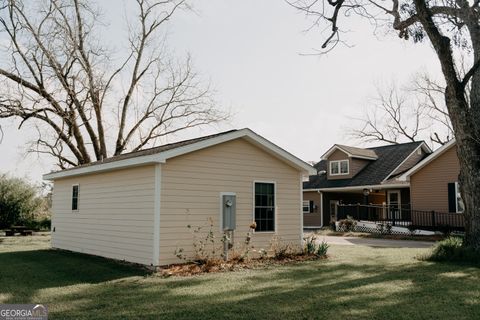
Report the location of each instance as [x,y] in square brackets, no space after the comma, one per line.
[421,164]
[337,147]
[358,188]
[114,165]
[162,157]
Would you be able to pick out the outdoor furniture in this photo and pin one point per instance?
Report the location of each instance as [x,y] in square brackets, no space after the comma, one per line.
[9,233]
[26,232]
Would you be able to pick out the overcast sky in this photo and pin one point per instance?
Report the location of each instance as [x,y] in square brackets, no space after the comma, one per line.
[250,51]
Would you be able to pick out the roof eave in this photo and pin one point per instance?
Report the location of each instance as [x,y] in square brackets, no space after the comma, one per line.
[162,157]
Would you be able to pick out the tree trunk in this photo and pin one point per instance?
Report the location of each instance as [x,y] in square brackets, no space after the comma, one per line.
[466,128]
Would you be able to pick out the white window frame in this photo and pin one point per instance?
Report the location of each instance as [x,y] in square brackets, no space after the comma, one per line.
[275,206]
[307,202]
[458,197]
[78,197]
[339,162]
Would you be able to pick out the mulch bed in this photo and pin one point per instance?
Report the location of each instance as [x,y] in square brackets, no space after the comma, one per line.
[215,266]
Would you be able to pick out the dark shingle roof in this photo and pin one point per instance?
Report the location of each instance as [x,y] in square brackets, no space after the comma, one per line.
[389,158]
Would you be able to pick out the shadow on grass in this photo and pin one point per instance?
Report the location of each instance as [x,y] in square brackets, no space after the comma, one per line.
[77,286]
[25,272]
[314,290]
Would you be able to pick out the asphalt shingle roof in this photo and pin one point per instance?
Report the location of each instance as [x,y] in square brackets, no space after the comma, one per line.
[389,158]
[151,151]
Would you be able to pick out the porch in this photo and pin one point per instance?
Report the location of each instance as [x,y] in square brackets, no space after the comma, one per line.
[402,216]
[367,203]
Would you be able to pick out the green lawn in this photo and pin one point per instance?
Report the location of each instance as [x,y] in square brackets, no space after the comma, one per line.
[355,283]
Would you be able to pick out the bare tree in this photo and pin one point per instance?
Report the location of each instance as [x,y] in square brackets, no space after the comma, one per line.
[411,113]
[86,100]
[451,26]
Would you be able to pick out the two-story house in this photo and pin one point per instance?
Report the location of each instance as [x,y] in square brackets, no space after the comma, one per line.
[368,176]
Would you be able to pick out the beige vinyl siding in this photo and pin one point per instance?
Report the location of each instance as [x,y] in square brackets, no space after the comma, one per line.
[429,186]
[190,193]
[114,218]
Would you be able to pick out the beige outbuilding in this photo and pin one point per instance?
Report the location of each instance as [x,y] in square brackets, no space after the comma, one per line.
[137,206]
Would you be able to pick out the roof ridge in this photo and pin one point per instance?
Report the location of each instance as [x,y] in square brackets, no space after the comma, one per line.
[176,142]
[397,144]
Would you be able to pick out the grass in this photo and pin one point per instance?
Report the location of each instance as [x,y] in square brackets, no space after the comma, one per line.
[355,283]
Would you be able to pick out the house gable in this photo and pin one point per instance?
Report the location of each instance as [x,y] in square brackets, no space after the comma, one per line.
[192,184]
[355,165]
[390,159]
[161,154]
[429,184]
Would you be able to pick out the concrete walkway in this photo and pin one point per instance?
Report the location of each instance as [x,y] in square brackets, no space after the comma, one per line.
[372,242]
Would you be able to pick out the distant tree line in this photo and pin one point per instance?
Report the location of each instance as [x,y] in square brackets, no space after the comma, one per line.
[22,204]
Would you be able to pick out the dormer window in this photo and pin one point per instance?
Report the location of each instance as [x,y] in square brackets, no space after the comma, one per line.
[339,167]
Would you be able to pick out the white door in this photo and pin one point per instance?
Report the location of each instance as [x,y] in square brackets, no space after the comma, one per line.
[394,204]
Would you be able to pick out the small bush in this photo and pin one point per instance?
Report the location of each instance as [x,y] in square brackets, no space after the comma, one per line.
[310,245]
[39,224]
[322,249]
[281,250]
[347,225]
[313,248]
[452,250]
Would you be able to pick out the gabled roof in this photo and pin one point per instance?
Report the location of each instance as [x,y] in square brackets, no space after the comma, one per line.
[426,161]
[162,153]
[378,172]
[352,152]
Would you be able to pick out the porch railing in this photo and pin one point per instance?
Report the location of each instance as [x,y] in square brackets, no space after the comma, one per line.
[402,216]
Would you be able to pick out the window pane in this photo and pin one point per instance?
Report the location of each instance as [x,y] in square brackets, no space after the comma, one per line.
[74,203]
[306,206]
[265,206]
[344,167]
[75,198]
[75,191]
[334,167]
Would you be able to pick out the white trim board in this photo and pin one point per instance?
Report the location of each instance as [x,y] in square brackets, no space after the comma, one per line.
[275,227]
[156,215]
[338,147]
[359,188]
[162,157]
